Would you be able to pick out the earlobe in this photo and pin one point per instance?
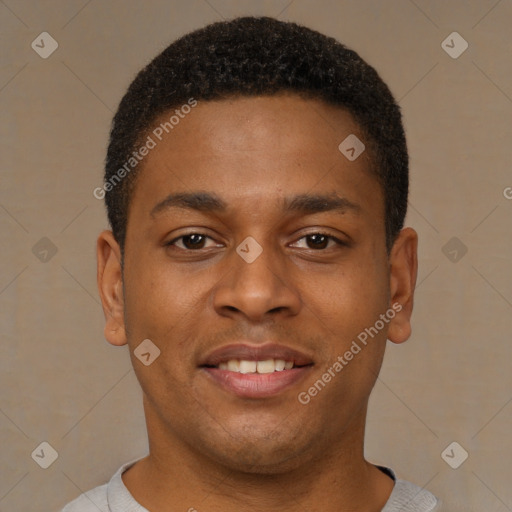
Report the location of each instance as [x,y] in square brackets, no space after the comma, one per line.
[110,286]
[403,272]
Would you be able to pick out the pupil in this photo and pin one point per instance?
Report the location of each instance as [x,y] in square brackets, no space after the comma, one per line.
[319,241]
[193,241]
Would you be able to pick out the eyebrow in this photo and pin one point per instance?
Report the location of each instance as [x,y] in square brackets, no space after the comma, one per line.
[202,201]
[302,203]
[317,203]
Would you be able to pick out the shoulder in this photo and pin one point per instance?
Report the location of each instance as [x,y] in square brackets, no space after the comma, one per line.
[408,497]
[91,501]
[108,497]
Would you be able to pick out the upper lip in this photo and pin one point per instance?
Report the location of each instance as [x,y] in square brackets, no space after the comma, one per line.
[248,352]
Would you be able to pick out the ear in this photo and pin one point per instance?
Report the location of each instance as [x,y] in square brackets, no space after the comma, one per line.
[110,285]
[403,272]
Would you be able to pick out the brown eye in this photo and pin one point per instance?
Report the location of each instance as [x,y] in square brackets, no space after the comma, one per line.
[192,241]
[317,241]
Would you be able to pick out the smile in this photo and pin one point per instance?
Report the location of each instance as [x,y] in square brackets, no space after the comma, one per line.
[245,366]
[250,371]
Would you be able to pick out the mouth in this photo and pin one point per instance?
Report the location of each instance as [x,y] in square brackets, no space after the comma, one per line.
[246,366]
[256,371]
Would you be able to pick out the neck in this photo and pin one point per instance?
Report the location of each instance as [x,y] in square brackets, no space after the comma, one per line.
[175,477]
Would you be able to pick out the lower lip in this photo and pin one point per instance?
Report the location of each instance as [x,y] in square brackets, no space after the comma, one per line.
[257,385]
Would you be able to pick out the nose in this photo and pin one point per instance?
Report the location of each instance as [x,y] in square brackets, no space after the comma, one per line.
[258,289]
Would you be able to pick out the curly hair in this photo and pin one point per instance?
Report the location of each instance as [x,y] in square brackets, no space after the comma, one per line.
[255,56]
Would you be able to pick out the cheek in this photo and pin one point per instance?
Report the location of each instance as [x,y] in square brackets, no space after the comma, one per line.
[155,311]
[157,298]
[351,297]
[349,305]
[350,316]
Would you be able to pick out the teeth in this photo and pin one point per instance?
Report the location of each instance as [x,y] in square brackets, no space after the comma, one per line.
[247,366]
[280,364]
[233,365]
[267,366]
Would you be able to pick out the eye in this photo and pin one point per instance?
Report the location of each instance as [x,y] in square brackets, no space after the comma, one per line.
[318,241]
[192,241]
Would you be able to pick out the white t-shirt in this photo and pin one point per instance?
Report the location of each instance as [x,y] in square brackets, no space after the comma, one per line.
[115,497]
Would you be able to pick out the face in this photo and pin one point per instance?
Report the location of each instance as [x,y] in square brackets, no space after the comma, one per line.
[253,243]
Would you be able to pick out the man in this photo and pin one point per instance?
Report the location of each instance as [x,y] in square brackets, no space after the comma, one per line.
[256,184]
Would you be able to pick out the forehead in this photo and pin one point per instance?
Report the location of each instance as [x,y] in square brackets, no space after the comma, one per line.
[280,122]
[254,148]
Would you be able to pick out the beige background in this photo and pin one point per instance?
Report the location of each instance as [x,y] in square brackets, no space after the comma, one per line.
[62,383]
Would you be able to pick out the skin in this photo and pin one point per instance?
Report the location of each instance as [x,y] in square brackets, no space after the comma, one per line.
[210,449]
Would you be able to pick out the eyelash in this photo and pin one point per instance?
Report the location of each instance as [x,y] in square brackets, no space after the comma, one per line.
[330,238]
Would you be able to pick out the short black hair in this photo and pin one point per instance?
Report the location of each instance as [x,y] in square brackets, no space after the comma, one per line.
[259,56]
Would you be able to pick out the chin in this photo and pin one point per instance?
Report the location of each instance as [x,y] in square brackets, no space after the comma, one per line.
[259,456]
[257,463]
